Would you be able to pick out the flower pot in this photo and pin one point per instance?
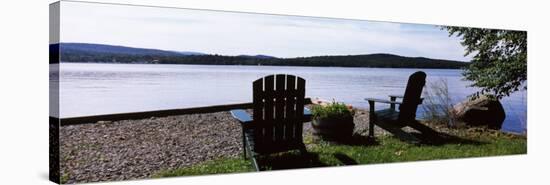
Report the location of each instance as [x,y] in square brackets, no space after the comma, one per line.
[333,129]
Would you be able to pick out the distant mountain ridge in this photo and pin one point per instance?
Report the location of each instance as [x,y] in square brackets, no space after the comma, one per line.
[257,56]
[100,53]
[114,49]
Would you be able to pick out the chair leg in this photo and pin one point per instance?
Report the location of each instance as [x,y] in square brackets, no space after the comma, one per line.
[255,163]
[371,119]
[244,153]
[244,146]
[425,130]
[371,128]
[252,156]
[303,150]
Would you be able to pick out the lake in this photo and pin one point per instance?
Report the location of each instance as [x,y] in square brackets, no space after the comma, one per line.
[92,89]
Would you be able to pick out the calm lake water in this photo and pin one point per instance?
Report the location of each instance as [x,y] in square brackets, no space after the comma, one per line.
[91,89]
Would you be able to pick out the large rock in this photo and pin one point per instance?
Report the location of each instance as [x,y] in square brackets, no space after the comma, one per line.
[483,111]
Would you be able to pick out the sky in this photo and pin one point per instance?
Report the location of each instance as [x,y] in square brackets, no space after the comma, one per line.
[230,33]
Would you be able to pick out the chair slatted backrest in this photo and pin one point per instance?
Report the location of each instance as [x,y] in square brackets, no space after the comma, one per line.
[411,99]
[278,109]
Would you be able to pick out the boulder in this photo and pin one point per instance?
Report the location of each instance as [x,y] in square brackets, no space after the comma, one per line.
[482,111]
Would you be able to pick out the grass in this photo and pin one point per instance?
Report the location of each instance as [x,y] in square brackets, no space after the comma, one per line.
[230,165]
[393,150]
[385,149]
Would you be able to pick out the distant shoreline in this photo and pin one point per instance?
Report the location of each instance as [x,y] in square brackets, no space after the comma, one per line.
[98,53]
[63,62]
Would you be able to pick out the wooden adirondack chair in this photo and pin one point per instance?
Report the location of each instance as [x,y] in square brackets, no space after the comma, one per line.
[393,121]
[278,116]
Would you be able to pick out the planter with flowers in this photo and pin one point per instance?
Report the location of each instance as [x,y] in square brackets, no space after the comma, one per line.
[332,121]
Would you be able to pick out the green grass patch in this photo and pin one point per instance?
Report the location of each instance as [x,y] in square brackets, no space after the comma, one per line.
[385,149]
[390,149]
[231,165]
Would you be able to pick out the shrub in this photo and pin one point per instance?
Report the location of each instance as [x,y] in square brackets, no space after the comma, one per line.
[437,104]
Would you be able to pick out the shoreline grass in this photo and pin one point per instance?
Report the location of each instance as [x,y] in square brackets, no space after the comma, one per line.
[472,142]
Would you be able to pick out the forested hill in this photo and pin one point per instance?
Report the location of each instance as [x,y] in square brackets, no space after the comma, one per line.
[97,53]
[102,49]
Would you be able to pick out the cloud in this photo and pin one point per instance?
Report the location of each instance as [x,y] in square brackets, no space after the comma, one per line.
[231,33]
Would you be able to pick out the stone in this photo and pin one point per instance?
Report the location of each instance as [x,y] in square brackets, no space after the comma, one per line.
[482,111]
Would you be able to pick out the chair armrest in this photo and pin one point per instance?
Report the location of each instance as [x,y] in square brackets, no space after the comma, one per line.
[241,115]
[307,115]
[244,117]
[401,96]
[382,101]
[307,112]
[396,96]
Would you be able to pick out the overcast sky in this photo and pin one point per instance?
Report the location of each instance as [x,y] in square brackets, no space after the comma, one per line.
[230,33]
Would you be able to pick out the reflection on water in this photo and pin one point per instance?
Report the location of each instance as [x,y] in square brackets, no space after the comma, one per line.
[91,89]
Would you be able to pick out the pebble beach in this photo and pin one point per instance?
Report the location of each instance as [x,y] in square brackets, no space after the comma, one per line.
[137,149]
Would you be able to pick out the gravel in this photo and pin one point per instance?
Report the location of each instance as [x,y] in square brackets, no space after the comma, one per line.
[137,149]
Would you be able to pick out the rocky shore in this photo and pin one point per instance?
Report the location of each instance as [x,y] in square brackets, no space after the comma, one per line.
[136,149]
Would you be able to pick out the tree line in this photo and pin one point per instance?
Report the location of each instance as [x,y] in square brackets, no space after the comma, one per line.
[372,60]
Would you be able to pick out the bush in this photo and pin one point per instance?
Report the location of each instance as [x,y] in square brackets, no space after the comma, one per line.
[332,110]
[437,104]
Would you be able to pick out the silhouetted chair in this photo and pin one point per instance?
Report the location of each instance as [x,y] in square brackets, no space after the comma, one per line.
[277,118]
[393,121]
